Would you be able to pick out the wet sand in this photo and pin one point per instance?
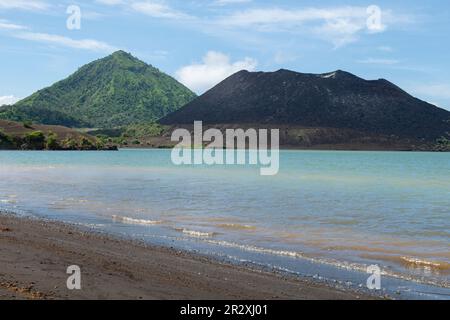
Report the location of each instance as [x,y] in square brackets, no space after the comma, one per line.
[35,254]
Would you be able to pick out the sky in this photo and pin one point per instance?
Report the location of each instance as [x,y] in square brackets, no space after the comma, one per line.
[201,42]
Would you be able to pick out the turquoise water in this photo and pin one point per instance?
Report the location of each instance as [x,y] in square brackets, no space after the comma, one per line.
[344,210]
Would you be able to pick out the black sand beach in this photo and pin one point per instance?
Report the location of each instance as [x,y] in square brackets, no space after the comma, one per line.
[35,255]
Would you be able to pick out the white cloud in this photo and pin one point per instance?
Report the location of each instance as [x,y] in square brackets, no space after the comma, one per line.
[86,44]
[158,9]
[152,8]
[214,68]
[8,100]
[227,2]
[338,25]
[379,61]
[4,24]
[24,4]
[274,17]
[18,31]
[110,2]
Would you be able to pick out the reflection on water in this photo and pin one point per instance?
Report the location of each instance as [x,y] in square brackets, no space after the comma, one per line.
[359,208]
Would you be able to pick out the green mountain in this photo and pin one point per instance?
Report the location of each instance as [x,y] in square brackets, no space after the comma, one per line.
[117,90]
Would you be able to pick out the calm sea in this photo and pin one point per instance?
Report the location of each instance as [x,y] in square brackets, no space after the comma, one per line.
[327,214]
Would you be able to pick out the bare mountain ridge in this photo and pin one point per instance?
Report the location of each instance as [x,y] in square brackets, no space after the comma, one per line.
[332,100]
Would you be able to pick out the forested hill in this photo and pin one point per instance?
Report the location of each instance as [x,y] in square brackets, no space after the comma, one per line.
[114,91]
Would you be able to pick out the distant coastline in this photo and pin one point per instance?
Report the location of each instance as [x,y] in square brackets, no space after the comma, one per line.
[292,138]
[36,137]
[128,102]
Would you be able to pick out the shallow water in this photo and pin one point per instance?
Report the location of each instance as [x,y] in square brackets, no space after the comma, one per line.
[341,211]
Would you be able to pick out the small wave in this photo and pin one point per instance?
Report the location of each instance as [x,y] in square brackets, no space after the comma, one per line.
[362,248]
[328,261]
[425,264]
[198,234]
[410,262]
[67,203]
[285,253]
[135,221]
[223,219]
[74,200]
[10,201]
[236,226]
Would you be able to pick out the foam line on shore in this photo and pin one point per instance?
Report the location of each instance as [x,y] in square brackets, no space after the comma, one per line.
[129,220]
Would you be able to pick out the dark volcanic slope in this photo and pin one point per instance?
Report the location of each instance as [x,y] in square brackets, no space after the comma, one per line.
[338,99]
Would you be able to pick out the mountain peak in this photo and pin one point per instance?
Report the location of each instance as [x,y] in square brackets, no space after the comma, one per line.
[120,52]
[337,99]
[114,91]
[283,71]
[123,54]
[338,74]
[122,60]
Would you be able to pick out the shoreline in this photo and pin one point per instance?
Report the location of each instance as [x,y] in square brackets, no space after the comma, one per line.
[294,148]
[36,254]
[336,148]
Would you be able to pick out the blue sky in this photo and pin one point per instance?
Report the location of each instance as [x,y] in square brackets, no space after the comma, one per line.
[200,42]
